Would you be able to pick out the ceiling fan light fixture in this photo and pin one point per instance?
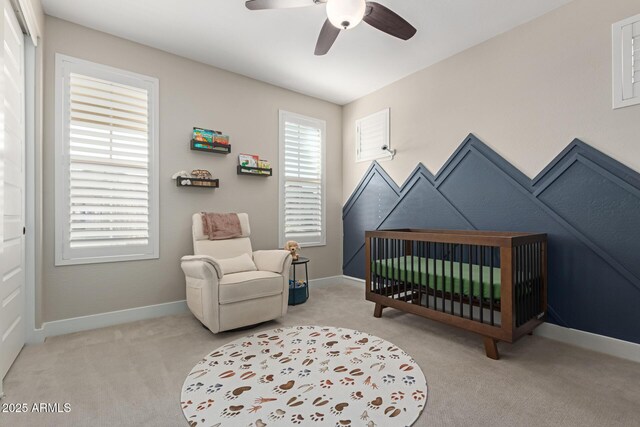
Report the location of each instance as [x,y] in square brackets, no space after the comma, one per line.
[346,14]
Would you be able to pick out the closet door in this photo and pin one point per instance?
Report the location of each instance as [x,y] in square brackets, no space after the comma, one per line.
[12,183]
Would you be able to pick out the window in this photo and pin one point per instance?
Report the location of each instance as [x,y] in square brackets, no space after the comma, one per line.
[626,62]
[106,189]
[372,133]
[302,182]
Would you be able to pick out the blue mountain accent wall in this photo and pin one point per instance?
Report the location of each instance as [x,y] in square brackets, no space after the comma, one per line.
[587,203]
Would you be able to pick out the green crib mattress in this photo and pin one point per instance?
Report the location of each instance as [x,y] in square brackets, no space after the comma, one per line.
[399,269]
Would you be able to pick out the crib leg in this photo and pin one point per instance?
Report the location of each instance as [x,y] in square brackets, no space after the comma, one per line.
[491,348]
[377,312]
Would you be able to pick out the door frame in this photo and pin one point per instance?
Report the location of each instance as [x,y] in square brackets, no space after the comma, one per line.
[31,255]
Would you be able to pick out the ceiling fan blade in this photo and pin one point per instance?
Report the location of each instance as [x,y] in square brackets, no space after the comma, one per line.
[327,36]
[388,21]
[280,4]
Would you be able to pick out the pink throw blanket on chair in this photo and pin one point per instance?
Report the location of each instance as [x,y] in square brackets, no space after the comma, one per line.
[220,226]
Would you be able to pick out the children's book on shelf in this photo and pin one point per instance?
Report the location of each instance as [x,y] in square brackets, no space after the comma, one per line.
[248,160]
[209,136]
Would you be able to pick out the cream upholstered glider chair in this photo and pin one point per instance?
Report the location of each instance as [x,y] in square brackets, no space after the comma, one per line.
[224,290]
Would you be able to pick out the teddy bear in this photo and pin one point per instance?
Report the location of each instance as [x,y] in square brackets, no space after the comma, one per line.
[293,247]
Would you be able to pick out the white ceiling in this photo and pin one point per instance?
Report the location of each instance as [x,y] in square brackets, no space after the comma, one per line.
[276,46]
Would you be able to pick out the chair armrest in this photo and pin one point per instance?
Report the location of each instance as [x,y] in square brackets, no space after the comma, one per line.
[196,261]
[203,274]
[273,260]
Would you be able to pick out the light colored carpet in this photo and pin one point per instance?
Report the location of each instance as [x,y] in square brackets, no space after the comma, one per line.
[132,374]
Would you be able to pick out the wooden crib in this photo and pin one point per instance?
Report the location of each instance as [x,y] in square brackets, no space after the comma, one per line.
[491,283]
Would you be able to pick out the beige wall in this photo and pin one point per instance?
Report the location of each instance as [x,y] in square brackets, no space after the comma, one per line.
[526,93]
[191,94]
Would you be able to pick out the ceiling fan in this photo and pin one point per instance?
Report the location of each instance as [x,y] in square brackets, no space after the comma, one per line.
[344,15]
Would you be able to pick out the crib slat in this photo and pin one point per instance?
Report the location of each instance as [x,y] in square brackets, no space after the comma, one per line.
[440,254]
[470,275]
[536,296]
[394,269]
[379,265]
[538,278]
[461,294]
[414,249]
[443,277]
[491,315]
[408,275]
[522,306]
[530,277]
[374,273]
[387,253]
[525,283]
[428,257]
[406,272]
[516,285]
[419,255]
[372,265]
[520,277]
[481,298]
[400,281]
[399,269]
[451,281]
[383,264]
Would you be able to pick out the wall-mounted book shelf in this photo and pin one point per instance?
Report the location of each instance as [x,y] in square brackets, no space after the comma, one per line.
[248,170]
[197,182]
[210,147]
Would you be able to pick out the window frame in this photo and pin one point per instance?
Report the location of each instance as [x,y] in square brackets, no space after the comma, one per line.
[285,116]
[620,61]
[64,254]
[383,155]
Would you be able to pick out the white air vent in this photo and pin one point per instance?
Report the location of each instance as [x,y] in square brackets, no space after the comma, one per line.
[626,62]
[372,133]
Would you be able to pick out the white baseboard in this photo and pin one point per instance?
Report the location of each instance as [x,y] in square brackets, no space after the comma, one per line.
[600,343]
[101,320]
[340,279]
[325,281]
[587,340]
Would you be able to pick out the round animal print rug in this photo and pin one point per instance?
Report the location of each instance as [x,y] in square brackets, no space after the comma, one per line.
[307,376]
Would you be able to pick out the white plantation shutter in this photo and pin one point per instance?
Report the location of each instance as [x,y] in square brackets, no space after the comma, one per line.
[106,189]
[626,62]
[372,132]
[302,180]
